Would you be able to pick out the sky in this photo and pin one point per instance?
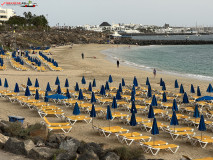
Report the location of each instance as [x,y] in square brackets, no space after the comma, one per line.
[145,12]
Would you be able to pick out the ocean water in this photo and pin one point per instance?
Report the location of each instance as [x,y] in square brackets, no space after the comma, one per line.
[185,60]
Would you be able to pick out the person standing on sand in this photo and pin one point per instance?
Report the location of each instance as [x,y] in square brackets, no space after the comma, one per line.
[118,63]
[82,55]
[154,72]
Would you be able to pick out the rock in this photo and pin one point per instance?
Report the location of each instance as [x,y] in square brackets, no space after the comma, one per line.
[111,156]
[70,145]
[3,140]
[66,156]
[52,145]
[4,125]
[88,155]
[42,133]
[38,141]
[19,147]
[97,148]
[87,147]
[56,138]
[42,153]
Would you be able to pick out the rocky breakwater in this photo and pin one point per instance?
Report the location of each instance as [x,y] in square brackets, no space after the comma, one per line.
[130,41]
[35,142]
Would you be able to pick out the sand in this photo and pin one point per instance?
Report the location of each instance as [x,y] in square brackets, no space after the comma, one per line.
[95,65]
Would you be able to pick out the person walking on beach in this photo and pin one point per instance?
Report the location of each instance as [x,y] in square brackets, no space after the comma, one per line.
[118,63]
[82,55]
[154,72]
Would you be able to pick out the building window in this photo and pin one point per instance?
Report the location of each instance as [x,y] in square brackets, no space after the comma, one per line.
[3,16]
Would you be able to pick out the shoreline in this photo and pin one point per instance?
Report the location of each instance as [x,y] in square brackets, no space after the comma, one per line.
[127,63]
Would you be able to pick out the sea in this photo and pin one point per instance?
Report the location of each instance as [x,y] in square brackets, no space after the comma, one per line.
[182,60]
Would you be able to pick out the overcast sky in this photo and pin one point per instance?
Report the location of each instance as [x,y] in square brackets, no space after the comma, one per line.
[151,12]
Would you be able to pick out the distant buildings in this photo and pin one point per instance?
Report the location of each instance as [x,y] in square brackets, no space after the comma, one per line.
[105,26]
[5,14]
[139,29]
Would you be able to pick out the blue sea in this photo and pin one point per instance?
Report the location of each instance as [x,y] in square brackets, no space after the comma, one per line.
[185,60]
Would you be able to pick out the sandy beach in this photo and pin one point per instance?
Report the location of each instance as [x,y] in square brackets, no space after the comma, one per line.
[95,65]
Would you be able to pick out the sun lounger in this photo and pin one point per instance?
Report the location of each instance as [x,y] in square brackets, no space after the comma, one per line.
[160,112]
[107,131]
[65,127]
[156,146]
[74,119]
[166,105]
[182,134]
[148,126]
[71,102]
[126,97]
[171,147]
[122,104]
[119,115]
[209,113]
[129,138]
[139,108]
[139,120]
[58,113]
[2,92]
[202,141]
[106,100]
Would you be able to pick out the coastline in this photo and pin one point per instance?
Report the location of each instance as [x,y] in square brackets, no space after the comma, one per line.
[110,57]
[99,68]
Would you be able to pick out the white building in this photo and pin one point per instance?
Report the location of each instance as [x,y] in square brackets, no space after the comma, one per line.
[5,14]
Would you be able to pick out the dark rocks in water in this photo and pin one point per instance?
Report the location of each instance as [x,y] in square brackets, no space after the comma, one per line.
[130,41]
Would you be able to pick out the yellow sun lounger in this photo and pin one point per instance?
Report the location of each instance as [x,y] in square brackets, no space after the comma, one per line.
[202,141]
[171,147]
[139,108]
[74,119]
[65,127]
[183,134]
[129,138]
[209,113]
[119,115]
[106,100]
[44,113]
[155,146]
[110,131]
[107,131]
[139,120]
[148,126]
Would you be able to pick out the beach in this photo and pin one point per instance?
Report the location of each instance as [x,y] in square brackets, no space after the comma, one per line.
[95,65]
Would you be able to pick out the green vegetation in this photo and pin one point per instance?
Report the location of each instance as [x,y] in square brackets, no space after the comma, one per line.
[127,153]
[29,21]
[16,129]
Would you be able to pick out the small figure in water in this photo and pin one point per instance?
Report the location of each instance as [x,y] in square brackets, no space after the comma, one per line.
[82,55]
[154,72]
